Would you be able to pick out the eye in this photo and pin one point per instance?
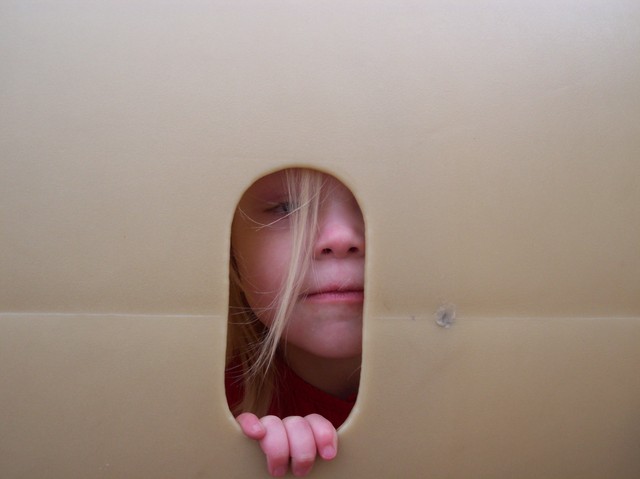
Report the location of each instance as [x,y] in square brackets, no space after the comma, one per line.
[282,208]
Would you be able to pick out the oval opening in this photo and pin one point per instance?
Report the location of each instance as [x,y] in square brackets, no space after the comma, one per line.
[294,342]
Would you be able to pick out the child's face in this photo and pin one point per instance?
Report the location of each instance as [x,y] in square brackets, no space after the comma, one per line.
[327,318]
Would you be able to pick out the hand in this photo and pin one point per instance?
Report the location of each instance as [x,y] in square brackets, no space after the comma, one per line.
[294,437]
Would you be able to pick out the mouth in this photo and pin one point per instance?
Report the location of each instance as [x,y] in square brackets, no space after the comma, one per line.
[336,295]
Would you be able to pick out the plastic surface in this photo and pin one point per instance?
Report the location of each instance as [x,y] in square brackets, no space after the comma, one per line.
[494,148]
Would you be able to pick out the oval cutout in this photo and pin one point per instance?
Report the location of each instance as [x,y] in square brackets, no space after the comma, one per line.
[294,341]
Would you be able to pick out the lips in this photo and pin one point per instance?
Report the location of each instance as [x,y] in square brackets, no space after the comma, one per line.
[339,294]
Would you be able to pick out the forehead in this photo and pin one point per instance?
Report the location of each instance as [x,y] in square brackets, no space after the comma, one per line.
[274,186]
[267,185]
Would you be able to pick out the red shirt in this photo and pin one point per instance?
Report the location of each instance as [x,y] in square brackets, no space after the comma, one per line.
[295,397]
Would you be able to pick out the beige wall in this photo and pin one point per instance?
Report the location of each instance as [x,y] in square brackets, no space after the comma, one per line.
[494,147]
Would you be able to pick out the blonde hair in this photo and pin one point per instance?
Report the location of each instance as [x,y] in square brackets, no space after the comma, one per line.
[251,346]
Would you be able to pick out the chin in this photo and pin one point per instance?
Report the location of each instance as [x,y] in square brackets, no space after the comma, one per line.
[342,353]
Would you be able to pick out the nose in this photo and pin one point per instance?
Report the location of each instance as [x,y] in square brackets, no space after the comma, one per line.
[340,226]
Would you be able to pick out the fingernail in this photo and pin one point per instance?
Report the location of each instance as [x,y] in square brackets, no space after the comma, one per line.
[280,471]
[329,452]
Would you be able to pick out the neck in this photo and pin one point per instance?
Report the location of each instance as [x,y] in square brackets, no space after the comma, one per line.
[338,377]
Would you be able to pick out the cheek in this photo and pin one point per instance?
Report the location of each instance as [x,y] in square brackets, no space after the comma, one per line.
[262,266]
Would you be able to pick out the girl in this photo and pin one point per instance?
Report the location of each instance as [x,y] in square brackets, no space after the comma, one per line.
[295,319]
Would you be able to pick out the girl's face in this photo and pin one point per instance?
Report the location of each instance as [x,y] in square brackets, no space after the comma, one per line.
[327,318]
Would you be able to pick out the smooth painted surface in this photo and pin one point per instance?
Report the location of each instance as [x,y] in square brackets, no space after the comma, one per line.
[494,148]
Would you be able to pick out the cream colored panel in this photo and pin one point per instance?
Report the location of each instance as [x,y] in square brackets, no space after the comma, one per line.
[493,146]
[109,396]
[139,396]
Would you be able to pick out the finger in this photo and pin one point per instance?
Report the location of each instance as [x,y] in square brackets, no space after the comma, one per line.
[325,436]
[251,425]
[275,446]
[302,445]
